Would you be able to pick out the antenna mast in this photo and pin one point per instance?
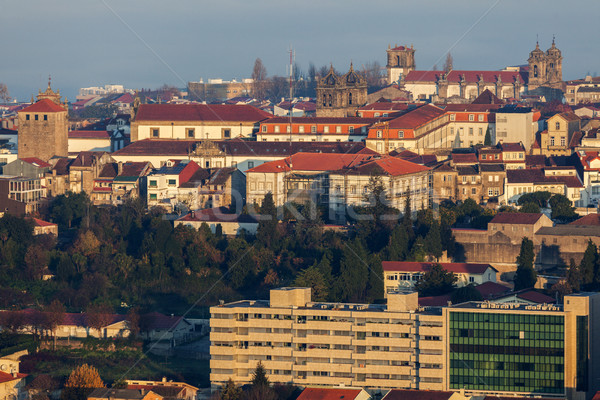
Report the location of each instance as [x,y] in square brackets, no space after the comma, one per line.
[291,88]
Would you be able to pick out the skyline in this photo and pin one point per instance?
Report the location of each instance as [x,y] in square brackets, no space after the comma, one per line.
[109,42]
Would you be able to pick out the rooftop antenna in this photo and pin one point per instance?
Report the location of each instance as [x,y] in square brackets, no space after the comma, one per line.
[291,51]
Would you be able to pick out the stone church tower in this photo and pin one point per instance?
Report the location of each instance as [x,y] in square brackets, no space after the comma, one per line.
[341,96]
[400,61]
[545,69]
[43,127]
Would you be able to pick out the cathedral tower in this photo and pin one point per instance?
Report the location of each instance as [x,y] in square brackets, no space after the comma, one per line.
[43,127]
[400,61]
[341,96]
[545,69]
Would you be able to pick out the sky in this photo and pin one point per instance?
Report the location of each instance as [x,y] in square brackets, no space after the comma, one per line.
[147,43]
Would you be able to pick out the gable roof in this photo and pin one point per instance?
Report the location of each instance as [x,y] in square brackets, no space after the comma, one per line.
[588,220]
[156,321]
[36,162]
[387,166]
[407,394]
[490,289]
[417,117]
[6,377]
[487,97]
[457,268]
[537,176]
[43,106]
[516,218]
[109,393]
[328,394]
[200,112]
[311,162]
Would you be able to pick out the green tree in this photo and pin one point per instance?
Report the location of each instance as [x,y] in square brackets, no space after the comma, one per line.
[397,248]
[267,225]
[435,282]
[260,387]
[433,241]
[540,198]
[375,287]
[466,293]
[525,277]
[562,208]
[311,277]
[230,391]
[588,264]
[574,276]
[530,207]
[351,284]
[488,137]
[376,197]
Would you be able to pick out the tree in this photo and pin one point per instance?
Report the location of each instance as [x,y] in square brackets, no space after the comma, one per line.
[562,208]
[259,77]
[133,322]
[449,63]
[530,207]
[230,391]
[488,137]
[435,282]
[81,382]
[574,276]
[351,284]
[276,88]
[588,263]
[375,289]
[540,198]
[376,197]
[373,74]
[433,241]
[260,389]
[466,293]
[98,316]
[311,277]
[55,314]
[4,95]
[87,244]
[266,232]
[525,277]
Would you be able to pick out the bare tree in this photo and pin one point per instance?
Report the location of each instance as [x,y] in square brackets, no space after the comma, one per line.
[374,75]
[277,88]
[259,76]
[4,95]
[448,64]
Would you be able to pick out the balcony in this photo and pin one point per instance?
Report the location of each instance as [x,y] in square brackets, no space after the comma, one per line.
[223,336]
[388,383]
[383,369]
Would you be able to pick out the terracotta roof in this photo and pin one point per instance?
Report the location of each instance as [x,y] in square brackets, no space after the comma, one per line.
[535,160]
[157,147]
[385,106]
[82,134]
[322,120]
[108,171]
[117,394]
[512,147]
[43,106]
[311,162]
[590,219]
[535,297]
[387,166]
[464,158]
[62,166]
[164,391]
[6,377]
[569,116]
[537,176]
[457,268]
[156,321]
[132,169]
[469,107]
[455,76]
[490,289]
[406,394]
[328,394]
[516,218]
[36,162]
[435,301]
[40,222]
[87,158]
[417,117]
[200,112]
[220,176]
[487,97]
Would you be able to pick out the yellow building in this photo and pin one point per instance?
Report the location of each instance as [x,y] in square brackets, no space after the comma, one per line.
[306,343]
[502,349]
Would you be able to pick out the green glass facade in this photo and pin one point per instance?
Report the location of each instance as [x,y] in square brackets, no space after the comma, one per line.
[507,352]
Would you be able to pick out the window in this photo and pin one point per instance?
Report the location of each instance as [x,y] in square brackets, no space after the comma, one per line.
[470,131]
[152,183]
[557,126]
[172,182]
[226,133]
[464,179]
[490,192]
[250,164]
[352,189]
[26,117]
[496,178]
[263,129]
[400,134]
[326,129]
[480,118]
[471,279]
[36,117]
[376,114]
[152,196]
[191,132]
[301,129]
[496,192]
[563,141]
[313,129]
[483,156]
[480,131]
[45,117]
[473,190]
[155,132]
[551,140]
[474,179]
[338,129]
[471,117]
[276,128]
[452,117]
[288,129]
[490,178]
[379,134]
[351,129]
[349,98]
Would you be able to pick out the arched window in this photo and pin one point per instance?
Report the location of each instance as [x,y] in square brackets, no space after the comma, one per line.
[398,61]
[324,100]
[535,71]
[350,98]
[330,101]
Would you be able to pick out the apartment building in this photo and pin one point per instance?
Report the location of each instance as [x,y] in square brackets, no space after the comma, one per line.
[482,348]
[306,343]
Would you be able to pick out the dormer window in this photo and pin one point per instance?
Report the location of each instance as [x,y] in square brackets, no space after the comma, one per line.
[471,117]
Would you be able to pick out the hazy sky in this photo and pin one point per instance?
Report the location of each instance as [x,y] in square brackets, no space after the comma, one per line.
[146,43]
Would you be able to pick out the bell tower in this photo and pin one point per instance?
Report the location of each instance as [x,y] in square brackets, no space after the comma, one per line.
[400,61]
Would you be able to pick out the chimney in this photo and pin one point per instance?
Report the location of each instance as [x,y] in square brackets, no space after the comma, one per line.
[119,167]
[164,378]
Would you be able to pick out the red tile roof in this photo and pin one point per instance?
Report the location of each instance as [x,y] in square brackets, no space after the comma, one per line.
[406,394]
[43,106]
[460,158]
[387,166]
[328,394]
[455,76]
[200,112]
[36,162]
[516,218]
[417,117]
[82,134]
[323,120]
[39,222]
[590,219]
[384,106]
[512,147]
[457,268]
[537,176]
[490,289]
[312,162]
[6,377]
[435,301]
[535,297]
[156,321]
